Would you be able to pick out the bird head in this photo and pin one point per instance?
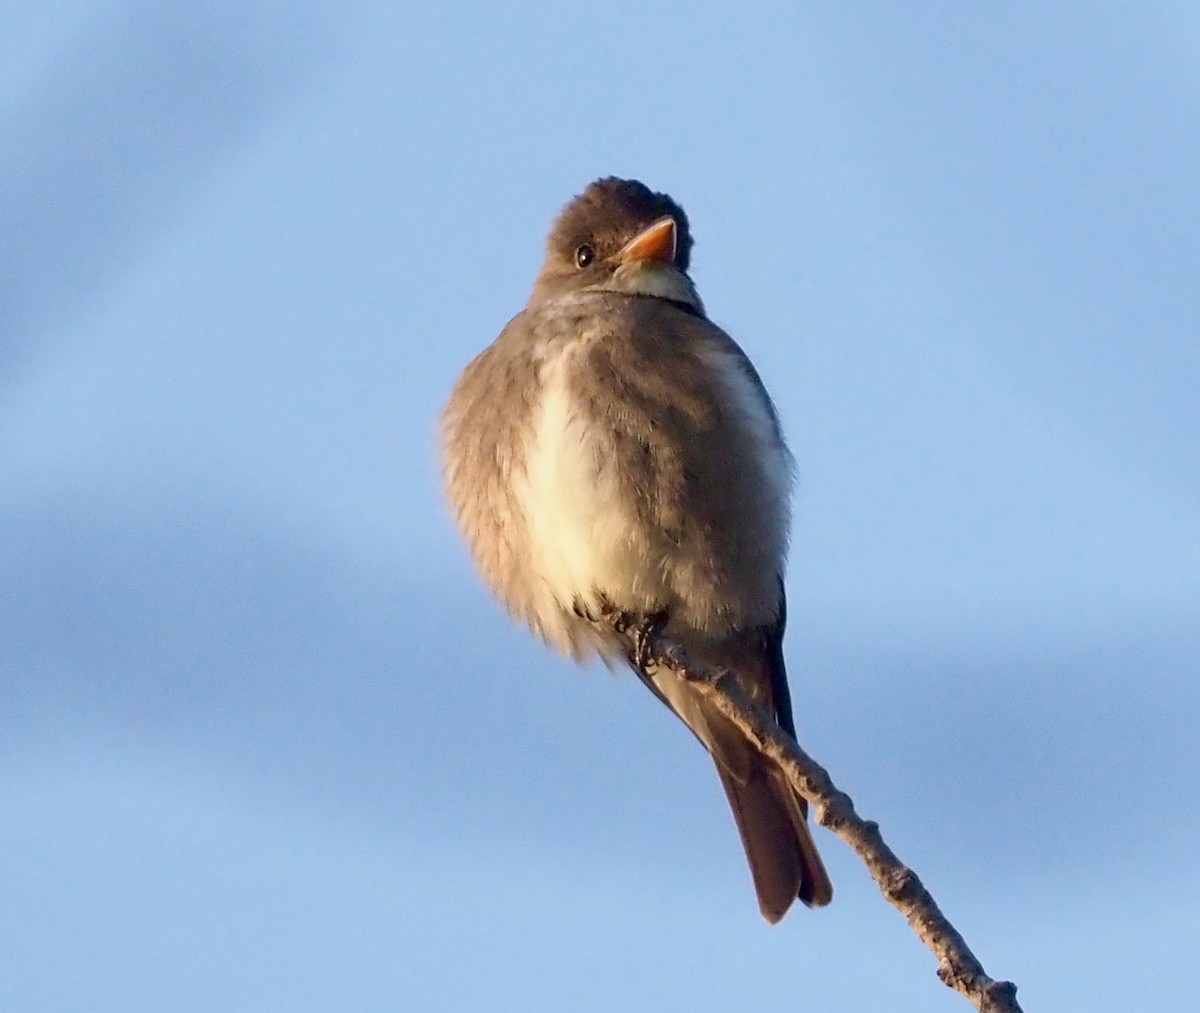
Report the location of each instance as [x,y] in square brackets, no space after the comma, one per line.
[620,236]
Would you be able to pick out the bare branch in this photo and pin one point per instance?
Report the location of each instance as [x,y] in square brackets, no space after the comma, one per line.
[957,965]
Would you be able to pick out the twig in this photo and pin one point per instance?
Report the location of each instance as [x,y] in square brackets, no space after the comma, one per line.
[957,965]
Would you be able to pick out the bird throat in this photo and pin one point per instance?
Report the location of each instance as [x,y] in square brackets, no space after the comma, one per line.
[661,281]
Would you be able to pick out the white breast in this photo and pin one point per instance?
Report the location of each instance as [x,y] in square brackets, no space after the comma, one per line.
[589,544]
[587,538]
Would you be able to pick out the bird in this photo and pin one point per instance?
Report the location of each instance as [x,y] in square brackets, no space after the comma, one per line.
[615,452]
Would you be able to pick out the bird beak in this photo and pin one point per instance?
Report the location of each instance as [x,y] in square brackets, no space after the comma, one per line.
[657,242]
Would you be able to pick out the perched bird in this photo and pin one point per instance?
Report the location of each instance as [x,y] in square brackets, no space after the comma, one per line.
[614,451]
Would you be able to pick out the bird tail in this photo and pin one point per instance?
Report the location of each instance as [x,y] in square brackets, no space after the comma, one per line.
[771,819]
[772,822]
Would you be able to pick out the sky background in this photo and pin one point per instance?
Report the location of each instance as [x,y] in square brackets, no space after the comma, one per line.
[266,744]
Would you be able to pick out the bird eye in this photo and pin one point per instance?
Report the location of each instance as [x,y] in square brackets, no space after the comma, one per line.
[584,256]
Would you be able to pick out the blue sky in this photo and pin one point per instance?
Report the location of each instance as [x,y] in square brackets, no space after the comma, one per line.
[265,742]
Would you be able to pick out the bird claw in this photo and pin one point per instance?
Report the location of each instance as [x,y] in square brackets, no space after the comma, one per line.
[642,634]
[596,609]
[640,629]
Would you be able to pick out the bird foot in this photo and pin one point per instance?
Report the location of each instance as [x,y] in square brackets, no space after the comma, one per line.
[601,611]
[640,629]
[642,632]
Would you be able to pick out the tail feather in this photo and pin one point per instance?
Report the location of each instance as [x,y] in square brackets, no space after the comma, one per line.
[784,863]
[771,818]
